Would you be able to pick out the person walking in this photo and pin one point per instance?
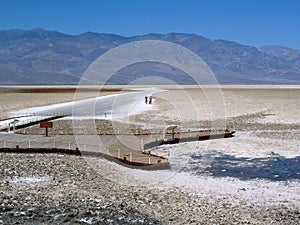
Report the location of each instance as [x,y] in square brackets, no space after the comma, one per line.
[146,99]
[150,100]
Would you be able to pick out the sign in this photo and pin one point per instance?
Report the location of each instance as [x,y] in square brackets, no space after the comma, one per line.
[46,124]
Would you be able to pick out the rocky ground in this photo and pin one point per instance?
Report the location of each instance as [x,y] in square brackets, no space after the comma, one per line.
[63,189]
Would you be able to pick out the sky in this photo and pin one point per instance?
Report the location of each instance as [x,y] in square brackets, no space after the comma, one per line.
[250,22]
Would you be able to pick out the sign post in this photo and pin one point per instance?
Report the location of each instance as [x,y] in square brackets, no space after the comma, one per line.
[46,125]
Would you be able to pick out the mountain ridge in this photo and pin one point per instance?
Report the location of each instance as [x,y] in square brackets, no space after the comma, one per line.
[40,56]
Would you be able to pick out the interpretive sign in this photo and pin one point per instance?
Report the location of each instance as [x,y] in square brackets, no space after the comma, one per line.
[46,125]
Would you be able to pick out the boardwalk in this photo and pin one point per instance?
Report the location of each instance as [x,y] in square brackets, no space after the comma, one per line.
[141,150]
[106,144]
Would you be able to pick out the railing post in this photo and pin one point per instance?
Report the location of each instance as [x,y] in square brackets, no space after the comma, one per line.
[142,145]
[119,155]
[54,144]
[130,156]
[28,143]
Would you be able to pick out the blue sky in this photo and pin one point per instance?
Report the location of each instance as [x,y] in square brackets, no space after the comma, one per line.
[250,22]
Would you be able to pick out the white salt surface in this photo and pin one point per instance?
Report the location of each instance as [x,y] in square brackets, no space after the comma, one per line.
[20,121]
[27,180]
[250,144]
[251,192]
[117,106]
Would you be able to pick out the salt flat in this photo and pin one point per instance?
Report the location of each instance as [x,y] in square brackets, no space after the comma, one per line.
[267,122]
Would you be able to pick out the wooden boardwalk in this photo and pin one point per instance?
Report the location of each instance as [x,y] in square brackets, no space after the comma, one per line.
[129,150]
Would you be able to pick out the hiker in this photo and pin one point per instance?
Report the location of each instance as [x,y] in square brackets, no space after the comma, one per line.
[150,100]
[146,99]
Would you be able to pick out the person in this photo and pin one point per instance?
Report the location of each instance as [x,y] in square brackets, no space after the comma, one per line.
[150,100]
[146,99]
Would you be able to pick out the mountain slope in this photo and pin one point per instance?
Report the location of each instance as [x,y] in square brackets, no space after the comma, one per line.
[48,57]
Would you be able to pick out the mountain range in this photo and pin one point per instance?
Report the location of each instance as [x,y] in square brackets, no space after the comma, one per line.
[49,57]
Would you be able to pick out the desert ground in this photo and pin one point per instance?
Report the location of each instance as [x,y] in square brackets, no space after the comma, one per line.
[65,189]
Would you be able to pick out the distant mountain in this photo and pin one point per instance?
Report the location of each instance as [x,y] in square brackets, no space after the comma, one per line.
[282,52]
[48,57]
